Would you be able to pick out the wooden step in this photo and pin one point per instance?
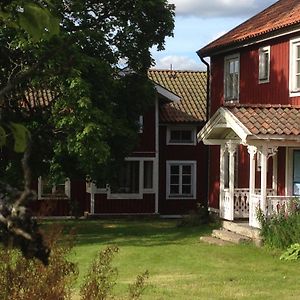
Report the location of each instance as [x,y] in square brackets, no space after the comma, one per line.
[230,236]
[213,241]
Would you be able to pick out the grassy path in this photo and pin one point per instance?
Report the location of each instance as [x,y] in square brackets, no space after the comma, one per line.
[183,268]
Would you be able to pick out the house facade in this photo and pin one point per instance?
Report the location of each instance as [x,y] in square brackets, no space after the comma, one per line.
[254,128]
[167,172]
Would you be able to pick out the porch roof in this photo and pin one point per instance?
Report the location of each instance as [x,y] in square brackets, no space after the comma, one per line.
[250,124]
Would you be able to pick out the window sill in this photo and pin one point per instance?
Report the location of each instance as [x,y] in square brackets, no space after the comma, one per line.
[180,197]
[294,94]
[124,196]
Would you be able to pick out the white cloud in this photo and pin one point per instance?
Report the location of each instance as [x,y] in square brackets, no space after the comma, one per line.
[178,63]
[219,8]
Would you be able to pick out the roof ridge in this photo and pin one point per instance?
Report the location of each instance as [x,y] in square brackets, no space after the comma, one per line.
[250,105]
[177,71]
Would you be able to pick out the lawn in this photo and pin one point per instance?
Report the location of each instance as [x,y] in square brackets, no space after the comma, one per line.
[180,266]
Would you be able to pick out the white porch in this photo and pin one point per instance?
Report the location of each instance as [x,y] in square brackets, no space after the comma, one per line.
[226,130]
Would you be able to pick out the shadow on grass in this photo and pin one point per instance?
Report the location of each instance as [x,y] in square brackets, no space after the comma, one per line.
[153,232]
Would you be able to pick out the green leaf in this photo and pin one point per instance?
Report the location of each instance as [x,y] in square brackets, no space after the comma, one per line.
[21,134]
[38,21]
[2,136]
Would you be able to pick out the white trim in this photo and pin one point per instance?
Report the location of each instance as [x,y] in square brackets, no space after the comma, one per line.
[262,51]
[223,118]
[292,65]
[193,164]
[156,161]
[193,130]
[166,93]
[227,59]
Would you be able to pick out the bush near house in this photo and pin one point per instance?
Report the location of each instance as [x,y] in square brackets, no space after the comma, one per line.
[281,230]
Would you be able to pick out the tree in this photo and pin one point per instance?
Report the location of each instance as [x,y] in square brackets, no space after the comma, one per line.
[65,86]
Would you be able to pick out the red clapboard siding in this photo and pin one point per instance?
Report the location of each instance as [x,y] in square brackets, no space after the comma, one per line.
[124,206]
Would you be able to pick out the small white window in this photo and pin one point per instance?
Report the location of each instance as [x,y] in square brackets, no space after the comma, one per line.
[181,135]
[49,190]
[181,179]
[295,67]
[232,77]
[264,64]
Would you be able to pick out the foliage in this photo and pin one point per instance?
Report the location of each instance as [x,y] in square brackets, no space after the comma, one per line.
[282,229]
[196,217]
[60,80]
[137,288]
[101,278]
[23,279]
[292,253]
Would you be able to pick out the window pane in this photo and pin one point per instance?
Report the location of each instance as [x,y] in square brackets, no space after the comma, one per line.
[174,189]
[148,174]
[175,170]
[186,179]
[186,170]
[298,51]
[186,135]
[175,135]
[174,179]
[232,78]
[128,181]
[296,176]
[187,189]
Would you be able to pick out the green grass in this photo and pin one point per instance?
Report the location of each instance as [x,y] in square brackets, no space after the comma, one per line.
[180,266]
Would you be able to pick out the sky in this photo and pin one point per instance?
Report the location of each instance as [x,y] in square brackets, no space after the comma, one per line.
[197,23]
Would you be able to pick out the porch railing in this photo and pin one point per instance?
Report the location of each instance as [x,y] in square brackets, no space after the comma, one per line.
[276,204]
[241,201]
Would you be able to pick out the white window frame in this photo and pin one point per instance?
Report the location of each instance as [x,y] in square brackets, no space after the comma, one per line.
[142,190]
[227,60]
[193,130]
[262,64]
[193,164]
[40,193]
[294,91]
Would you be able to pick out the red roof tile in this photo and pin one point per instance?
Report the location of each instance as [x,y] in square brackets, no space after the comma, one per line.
[268,119]
[281,15]
[190,86]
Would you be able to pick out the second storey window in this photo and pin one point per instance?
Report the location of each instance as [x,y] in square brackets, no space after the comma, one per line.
[264,64]
[232,77]
[181,135]
[295,67]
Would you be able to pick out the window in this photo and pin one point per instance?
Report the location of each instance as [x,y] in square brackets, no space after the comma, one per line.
[135,178]
[128,179]
[49,190]
[295,67]
[232,77]
[140,124]
[181,135]
[264,64]
[296,173]
[181,179]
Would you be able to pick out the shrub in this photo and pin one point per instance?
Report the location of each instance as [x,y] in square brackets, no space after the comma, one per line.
[101,278]
[280,230]
[29,279]
[292,253]
[196,217]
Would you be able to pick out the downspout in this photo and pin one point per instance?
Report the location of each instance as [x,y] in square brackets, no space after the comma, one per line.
[207,118]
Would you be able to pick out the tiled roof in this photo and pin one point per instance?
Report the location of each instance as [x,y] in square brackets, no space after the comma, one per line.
[190,86]
[278,16]
[268,119]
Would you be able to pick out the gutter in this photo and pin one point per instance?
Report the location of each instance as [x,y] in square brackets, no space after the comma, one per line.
[207,118]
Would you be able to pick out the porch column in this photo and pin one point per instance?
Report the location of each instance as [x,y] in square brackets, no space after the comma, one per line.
[252,151]
[222,179]
[231,150]
[263,180]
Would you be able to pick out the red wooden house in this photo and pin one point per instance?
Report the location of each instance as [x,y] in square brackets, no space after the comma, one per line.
[167,172]
[254,125]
